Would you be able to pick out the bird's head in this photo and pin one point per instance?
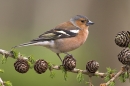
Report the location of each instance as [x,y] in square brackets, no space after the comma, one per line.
[81,21]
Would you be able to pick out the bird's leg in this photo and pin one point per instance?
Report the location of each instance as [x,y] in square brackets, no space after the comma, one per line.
[59,56]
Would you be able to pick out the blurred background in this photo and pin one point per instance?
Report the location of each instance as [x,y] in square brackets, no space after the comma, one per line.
[23,20]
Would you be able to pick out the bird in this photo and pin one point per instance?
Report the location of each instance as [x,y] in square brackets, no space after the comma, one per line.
[65,37]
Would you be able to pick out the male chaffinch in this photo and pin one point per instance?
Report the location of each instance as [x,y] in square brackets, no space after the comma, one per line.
[65,37]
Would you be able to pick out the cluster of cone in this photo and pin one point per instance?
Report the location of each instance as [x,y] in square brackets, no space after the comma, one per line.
[122,39]
[69,63]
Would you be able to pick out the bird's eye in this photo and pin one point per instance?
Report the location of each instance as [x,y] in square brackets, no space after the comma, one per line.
[82,21]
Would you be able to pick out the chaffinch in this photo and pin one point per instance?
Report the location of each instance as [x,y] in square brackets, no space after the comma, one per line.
[65,37]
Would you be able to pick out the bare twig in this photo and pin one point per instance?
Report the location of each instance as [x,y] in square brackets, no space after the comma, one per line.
[2,82]
[90,81]
[56,67]
[112,79]
[123,69]
[75,70]
[6,53]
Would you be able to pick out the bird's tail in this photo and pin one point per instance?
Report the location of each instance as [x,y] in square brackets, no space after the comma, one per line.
[25,44]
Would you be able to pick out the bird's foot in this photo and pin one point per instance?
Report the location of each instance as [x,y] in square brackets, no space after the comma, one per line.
[68,54]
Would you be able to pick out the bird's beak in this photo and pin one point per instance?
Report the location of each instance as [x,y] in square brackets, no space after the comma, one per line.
[90,23]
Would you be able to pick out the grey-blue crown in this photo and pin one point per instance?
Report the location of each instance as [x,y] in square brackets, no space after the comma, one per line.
[78,17]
